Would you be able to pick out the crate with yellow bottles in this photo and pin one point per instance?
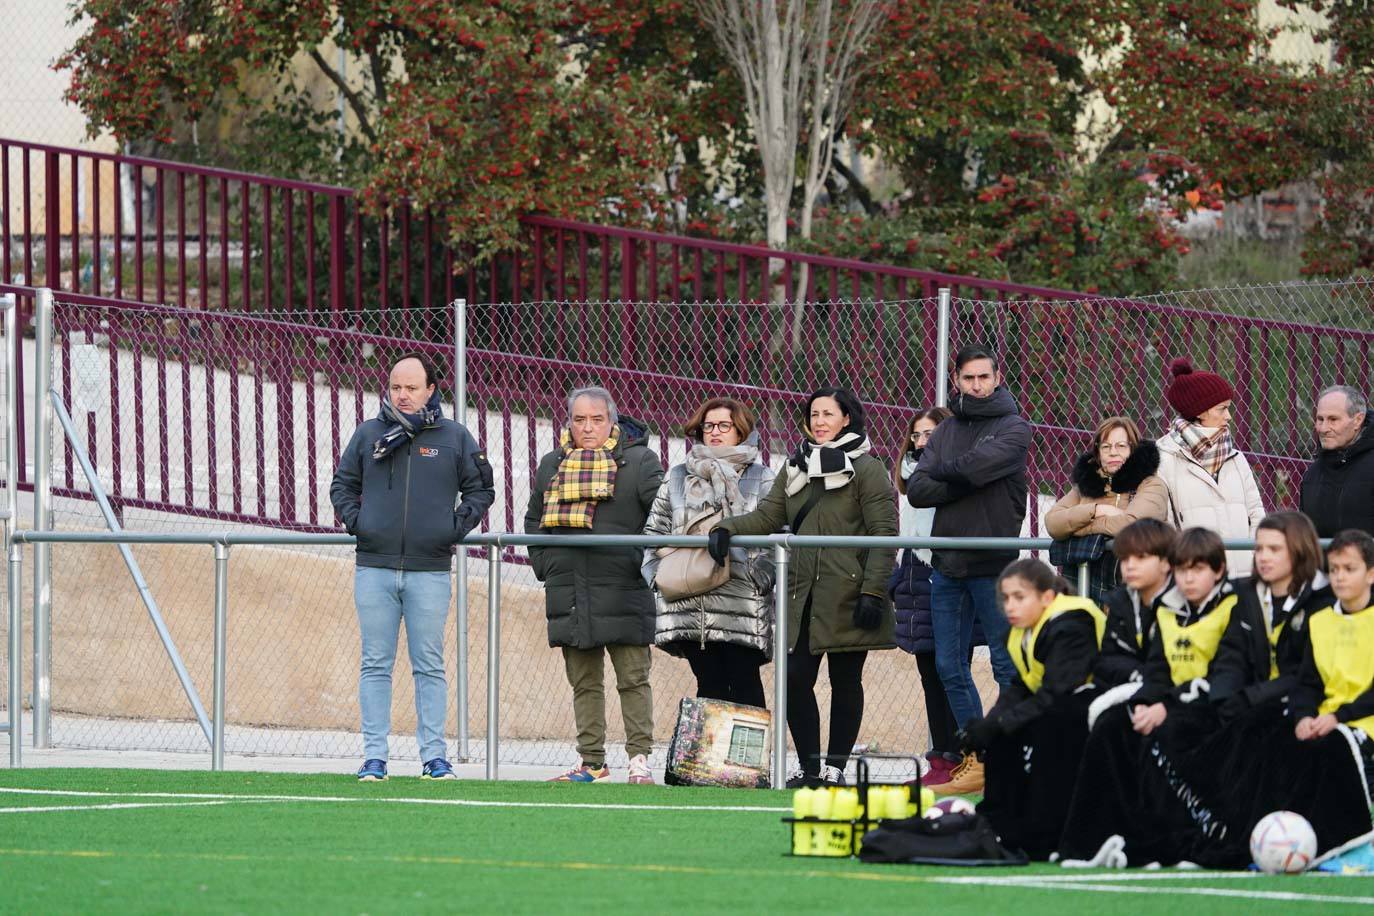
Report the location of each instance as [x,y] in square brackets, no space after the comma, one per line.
[832,820]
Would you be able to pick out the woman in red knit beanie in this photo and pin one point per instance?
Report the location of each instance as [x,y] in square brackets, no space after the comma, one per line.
[1210,481]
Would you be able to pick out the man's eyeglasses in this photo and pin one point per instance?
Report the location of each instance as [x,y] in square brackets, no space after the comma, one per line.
[723,426]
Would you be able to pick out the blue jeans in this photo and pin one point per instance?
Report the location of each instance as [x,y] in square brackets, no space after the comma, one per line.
[954,603]
[385,597]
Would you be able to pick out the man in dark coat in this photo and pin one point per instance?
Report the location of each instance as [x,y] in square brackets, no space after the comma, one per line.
[395,490]
[602,479]
[974,473]
[1338,488]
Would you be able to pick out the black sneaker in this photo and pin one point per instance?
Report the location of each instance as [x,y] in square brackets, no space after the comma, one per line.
[803,780]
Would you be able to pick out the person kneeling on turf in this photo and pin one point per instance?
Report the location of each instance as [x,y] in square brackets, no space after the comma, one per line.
[1033,738]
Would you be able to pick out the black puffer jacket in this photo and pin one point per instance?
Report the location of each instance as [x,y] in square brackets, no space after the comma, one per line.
[595,596]
[974,473]
[1338,487]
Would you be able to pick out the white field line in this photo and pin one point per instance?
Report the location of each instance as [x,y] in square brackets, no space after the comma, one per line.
[1050,883]
[453,802]
[44,809]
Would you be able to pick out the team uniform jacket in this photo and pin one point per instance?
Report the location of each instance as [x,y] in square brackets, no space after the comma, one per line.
[1337,674]
[1263,656]
[1053,659]
[1186,647]
[1126,640]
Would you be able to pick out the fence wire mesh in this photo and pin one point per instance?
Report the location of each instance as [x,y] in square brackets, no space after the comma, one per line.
[211,420]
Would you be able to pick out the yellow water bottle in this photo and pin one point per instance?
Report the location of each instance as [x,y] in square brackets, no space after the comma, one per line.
[820,832]
[842,812]
[801,833]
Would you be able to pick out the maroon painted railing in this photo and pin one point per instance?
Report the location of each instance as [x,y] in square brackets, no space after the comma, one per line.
[104,228]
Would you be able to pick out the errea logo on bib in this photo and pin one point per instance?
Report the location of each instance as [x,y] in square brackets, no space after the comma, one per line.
[426,452]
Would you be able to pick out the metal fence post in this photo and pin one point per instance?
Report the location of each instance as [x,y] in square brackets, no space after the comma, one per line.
[1083,580]
[221,638]
[12,432]
[42,520]
[780,643]
[942,348]
[460,411]
[16,653]
[493,657]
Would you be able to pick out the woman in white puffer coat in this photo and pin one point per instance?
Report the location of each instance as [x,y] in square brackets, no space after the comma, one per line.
[1210,481]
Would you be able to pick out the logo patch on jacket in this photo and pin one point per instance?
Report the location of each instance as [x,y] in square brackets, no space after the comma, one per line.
[427,452]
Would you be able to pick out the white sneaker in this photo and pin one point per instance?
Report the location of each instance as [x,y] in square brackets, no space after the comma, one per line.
[640,774]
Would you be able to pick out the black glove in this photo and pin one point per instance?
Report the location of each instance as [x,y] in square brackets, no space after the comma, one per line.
[977,734]
[868,612]
[718,545]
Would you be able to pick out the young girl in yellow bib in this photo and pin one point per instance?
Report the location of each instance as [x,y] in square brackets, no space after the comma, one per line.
[1033,738]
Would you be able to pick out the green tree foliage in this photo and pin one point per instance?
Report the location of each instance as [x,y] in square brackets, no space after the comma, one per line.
[1059,142]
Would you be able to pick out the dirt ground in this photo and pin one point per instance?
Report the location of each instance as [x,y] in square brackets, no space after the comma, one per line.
[293,649]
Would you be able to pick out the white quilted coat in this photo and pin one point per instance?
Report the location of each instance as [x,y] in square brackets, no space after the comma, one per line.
[1230,505]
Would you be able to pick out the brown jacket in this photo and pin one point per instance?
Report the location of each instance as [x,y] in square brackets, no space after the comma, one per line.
[1134,489]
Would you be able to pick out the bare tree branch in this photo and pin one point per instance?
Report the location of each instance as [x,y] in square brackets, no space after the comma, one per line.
[355,101]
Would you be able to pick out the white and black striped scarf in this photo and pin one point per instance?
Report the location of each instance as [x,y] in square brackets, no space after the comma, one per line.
[830,462]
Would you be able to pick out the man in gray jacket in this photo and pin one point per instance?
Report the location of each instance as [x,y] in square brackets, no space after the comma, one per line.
[973,473]
[601,479]
[396,489]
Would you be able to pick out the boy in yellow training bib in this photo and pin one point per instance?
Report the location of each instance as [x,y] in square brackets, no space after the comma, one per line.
[1032,740]
[1336,681]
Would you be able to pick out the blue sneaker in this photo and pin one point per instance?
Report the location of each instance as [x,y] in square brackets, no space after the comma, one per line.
[438,768]
[372,771]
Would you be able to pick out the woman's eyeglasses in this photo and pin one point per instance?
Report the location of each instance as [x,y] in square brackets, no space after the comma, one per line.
[723,426]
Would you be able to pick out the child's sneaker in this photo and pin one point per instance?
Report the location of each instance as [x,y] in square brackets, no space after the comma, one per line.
[372,771]
[832,776]
[639,771]
[584,773]
[438,768]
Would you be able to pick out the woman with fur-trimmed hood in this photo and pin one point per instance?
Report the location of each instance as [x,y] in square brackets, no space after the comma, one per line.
[1114,485]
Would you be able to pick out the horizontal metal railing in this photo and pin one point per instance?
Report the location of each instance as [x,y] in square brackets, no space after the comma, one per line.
[222,541]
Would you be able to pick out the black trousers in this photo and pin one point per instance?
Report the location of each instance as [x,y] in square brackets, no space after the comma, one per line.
[1031,774]
[846,671]
[726,671]
[943,726]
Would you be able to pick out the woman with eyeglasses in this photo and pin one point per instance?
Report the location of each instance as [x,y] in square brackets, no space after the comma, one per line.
[722,624]
[1114,484]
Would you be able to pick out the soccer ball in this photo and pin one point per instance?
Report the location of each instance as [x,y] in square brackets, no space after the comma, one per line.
[949,806]
[1283,843]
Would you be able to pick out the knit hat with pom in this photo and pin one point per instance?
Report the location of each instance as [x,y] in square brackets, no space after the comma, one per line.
[1193,393]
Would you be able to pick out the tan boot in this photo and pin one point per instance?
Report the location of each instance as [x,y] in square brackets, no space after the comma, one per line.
[965,779]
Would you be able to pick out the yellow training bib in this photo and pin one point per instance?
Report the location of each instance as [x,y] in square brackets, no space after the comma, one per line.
[1190,649]
[1343,648]
[1023,653]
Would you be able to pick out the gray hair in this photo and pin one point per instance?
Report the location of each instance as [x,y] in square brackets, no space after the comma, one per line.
[596,393]
[1356,402]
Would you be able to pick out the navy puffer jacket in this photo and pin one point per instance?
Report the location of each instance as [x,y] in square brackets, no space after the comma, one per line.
[909,588]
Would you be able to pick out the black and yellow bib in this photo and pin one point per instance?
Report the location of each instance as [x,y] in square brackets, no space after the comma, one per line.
[1022,648]
[1190,649]
[1343,648]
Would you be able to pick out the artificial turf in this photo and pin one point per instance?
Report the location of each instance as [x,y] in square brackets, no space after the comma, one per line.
[535,847]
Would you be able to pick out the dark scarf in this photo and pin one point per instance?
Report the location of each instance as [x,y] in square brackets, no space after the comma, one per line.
[1140,464]
[406,425]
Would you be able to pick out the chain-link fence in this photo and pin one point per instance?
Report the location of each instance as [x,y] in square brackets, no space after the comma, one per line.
[205,419]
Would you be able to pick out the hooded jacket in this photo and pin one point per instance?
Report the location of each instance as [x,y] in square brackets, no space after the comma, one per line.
[1230,505]
[1246,659]
[1126,640]
[401,508]
[1338,487]
[1224,673]
[594,596]
[973,472]
[1134,488]
[740,611]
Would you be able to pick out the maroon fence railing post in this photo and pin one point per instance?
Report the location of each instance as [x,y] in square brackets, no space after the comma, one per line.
[52,219]
[336,254]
